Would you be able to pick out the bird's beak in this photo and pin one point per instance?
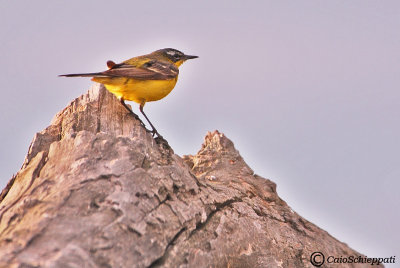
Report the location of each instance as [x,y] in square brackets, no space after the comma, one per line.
[188,57]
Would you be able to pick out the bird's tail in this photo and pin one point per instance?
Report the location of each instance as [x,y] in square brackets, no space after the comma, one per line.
[82,75]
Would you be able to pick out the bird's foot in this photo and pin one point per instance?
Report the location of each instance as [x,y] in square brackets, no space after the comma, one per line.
[155,133]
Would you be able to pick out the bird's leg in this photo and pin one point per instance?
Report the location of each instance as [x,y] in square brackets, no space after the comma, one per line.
[154,130]
[130,111]
[127,107]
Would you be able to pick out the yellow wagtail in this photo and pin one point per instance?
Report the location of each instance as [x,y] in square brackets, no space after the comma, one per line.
[141,79]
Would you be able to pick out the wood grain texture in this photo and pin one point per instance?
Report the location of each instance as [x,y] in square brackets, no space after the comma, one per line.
[96,190]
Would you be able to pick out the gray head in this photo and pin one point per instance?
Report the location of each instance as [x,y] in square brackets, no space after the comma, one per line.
[173,55]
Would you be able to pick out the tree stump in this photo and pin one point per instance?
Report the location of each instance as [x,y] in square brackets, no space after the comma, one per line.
[96,190]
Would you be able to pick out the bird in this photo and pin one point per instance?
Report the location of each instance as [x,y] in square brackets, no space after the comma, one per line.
[141,79]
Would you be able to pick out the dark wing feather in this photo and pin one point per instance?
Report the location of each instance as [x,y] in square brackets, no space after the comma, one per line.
[151,70]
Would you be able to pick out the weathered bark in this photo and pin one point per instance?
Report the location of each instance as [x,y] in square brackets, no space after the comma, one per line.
[96,190]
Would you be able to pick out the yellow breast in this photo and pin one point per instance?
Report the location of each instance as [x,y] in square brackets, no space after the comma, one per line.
[137,90]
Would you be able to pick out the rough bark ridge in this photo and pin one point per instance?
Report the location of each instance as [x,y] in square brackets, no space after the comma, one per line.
[96,190]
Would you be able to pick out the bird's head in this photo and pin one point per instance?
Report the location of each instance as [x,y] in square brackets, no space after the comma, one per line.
[172,55]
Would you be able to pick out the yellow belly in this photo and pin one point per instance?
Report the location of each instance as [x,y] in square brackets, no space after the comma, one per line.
[137,90]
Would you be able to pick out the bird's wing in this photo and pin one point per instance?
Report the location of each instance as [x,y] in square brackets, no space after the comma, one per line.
[150,70]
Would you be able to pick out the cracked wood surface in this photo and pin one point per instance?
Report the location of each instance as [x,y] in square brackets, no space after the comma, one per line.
[96,190]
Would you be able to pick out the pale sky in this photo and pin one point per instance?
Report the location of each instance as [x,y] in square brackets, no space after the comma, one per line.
[308,91]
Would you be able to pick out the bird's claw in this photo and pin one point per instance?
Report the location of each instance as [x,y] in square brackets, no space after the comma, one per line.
[153,132]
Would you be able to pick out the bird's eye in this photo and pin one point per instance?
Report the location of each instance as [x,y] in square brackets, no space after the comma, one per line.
[176,56]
